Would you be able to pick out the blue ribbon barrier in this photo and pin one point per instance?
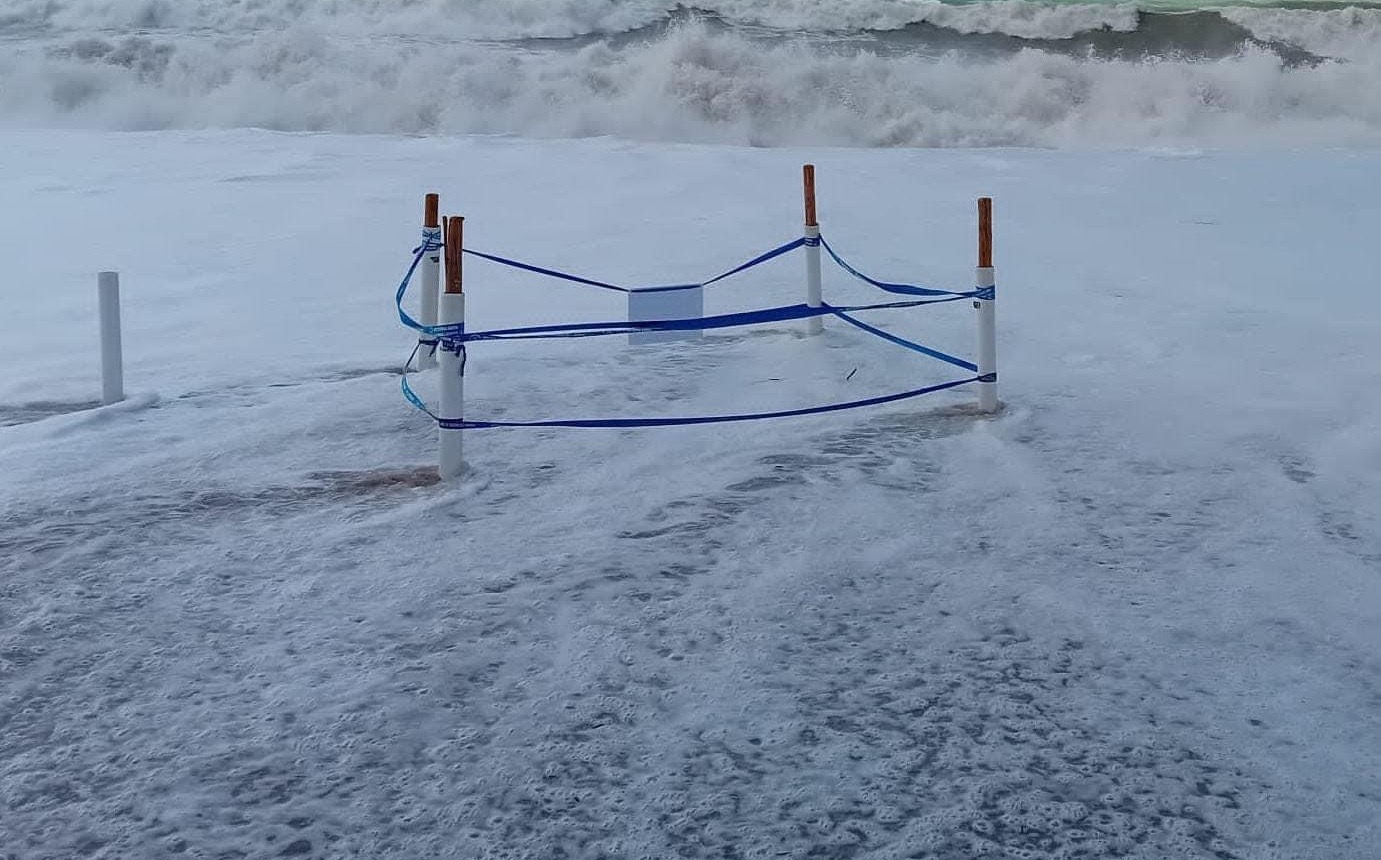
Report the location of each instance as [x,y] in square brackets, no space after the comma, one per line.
[631,423]
[453,337]
[784,313]
[900,289]
[902,342]
[539,270]
[430,243]
[590,282]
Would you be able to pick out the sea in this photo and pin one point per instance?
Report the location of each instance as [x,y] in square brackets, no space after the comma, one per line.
[867,73]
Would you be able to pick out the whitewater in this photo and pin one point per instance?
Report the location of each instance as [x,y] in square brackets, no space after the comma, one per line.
[857,73]
[1135,614]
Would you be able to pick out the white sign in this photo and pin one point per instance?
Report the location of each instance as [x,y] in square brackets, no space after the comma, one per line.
[661,304]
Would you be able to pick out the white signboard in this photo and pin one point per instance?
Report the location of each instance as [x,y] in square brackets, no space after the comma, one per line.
[654,304]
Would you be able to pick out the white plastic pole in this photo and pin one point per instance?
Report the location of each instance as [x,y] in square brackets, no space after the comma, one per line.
[452,361]
[985,278]
[814,298]
[814,325]
[452,374]
[431,280]
[112,359]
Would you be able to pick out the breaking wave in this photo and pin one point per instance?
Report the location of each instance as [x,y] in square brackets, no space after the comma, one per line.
[761,72]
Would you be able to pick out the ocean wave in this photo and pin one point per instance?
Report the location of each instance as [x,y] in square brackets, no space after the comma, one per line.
[1350,33]
[694,82]
[1018,18]
[557,19]
[1333,32]
[480,19]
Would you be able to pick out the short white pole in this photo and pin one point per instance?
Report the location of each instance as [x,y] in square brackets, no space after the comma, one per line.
[452,360]
[431,280]
[985,279]
[814,325]
[112,358]
[987,342]
[814,296]
[452,373]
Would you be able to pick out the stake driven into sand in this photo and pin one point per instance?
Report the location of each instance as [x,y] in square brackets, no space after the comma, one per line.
[112,352]
[450,311]
[814,325]
[431,280]
[451,356]
[985,278]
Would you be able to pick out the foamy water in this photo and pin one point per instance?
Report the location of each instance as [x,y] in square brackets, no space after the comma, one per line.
[762,72]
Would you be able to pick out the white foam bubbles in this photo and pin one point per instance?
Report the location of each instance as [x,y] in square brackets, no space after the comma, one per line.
[1350,33]
[694,82]
[481,19]
[553,19]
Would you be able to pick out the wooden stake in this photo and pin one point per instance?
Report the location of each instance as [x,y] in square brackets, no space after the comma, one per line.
[808,174]
[454,231]
[430,210]
[985,232]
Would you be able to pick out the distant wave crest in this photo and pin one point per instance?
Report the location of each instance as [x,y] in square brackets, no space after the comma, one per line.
[533,67]
[561,19]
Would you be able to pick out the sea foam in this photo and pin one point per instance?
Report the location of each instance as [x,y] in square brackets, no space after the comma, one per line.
[781,72]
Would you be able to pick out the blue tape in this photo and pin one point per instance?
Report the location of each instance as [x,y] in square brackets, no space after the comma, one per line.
[577,279]
[911,345]
[550,273]
[412,396]
[597,329]
[630,423]
[432,242]
[415,400]
[900,289]
[670,288]
[428,244]
[452,337]
[758,260]
[407,389]
[444,332]
[456,331]
[784,313]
